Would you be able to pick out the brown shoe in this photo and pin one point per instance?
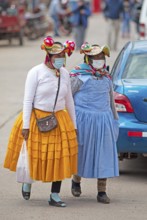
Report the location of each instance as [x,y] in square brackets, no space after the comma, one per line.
[103,198]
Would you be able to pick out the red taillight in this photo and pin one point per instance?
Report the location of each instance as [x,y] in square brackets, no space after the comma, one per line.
[137,134]
[142,30]
[134,134]
[122,103]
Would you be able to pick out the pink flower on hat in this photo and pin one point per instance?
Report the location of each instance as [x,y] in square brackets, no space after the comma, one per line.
[86,46]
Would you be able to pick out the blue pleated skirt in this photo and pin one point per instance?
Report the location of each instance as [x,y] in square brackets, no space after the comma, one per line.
[97,135]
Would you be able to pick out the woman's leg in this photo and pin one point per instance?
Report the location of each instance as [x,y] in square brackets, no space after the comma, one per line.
[76,188]
[101,185]
[56,25]
[78,36]
[54,197]
[102,196]
[116,24]
[76,178]
[56,186]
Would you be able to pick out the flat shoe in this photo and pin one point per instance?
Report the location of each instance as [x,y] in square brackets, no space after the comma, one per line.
[76,189]
[57,204]
[26,195]
[103,199]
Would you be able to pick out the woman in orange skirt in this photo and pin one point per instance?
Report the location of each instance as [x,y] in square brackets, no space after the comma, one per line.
[53,154]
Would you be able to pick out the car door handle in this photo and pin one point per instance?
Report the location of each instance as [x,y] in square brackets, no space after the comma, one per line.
[145,99]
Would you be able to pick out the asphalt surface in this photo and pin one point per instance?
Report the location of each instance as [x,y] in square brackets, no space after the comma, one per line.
[128,192]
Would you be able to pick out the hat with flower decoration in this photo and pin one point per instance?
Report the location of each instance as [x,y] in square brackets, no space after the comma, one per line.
[95,49]
[52,47]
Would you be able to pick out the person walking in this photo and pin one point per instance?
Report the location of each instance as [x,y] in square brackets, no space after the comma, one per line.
[59,11]
[135,14]
[54,9]
[80,12]
[52,154]
[97,120]
[126,18]
[112,11]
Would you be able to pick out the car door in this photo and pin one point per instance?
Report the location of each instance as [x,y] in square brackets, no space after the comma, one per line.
[134,82]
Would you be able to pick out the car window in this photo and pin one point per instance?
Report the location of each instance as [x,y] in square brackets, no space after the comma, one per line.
[116,67]
[136,67]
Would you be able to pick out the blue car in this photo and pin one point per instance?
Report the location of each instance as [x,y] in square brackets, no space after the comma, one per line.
[129,76]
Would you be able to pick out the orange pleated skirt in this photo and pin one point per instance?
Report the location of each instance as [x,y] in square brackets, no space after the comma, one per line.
[52,155]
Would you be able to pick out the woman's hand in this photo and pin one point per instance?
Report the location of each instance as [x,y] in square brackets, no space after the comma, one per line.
[25,134]
[103,71]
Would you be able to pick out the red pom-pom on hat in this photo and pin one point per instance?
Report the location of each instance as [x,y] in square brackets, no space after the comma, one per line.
[47,43]
[69,47]
[71,44]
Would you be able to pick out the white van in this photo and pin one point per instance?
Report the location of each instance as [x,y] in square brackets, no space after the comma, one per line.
[143,22]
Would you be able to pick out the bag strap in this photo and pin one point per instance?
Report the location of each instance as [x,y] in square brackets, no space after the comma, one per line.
[57,93]
[55,98]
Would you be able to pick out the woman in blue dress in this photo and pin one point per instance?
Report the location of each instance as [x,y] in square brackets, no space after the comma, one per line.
[97,120]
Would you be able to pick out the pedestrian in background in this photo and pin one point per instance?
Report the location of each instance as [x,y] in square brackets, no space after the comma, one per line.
[97,120]
[54,9]
[80,12]
[126,17]
[112,11]
[135,15]
[58,10]
[53,154]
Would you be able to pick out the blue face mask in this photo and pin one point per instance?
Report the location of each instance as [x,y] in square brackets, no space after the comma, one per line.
[59,62]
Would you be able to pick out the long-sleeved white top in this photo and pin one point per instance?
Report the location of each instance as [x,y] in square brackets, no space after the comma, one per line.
[41,89]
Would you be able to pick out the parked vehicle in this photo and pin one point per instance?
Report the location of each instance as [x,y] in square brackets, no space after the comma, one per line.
[129,76]
[143,22]
[11,23]
[37,24]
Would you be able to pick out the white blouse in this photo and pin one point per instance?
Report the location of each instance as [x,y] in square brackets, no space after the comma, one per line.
[40,91]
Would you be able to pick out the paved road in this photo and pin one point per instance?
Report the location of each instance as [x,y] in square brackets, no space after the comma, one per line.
[128,192]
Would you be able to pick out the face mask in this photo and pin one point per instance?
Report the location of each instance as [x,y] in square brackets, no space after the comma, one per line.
[98,64]
[59,62]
